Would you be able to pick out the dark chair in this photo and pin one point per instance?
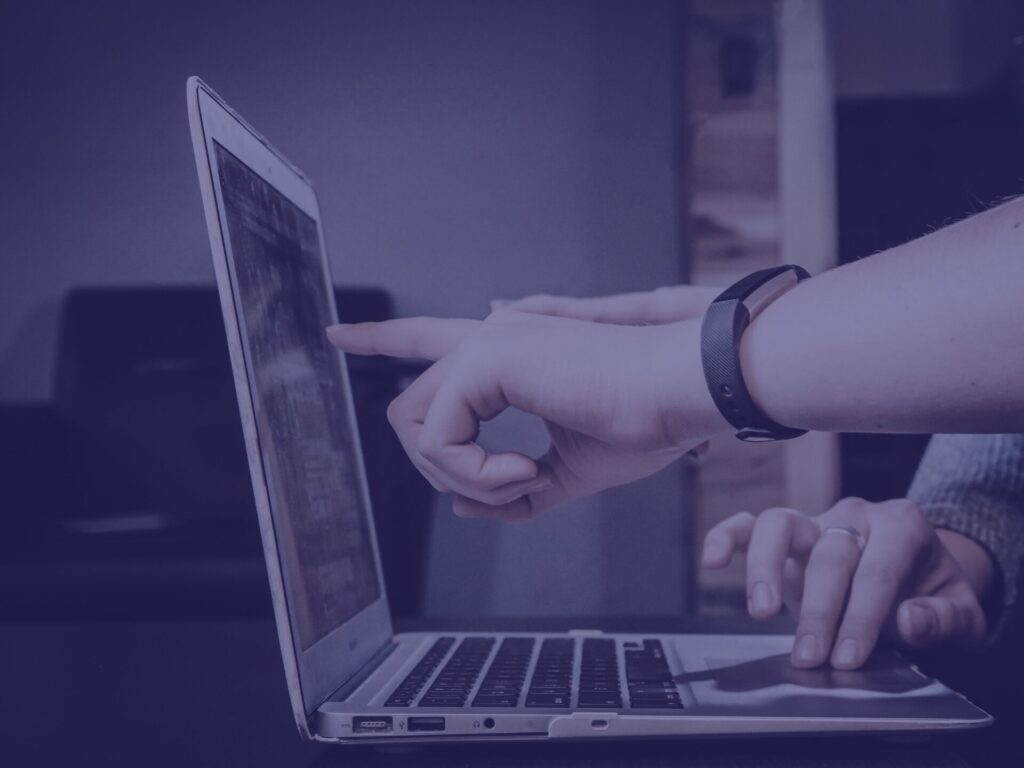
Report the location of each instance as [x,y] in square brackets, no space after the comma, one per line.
[129,495]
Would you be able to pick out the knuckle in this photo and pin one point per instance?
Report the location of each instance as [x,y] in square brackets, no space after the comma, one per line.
[847,509]
[741,518]
[776,515]
[909,523]
[479,342]
[717,534]
[428,447]
[394,412]
[880,574]
[907,512]
[505,315]
[851,502]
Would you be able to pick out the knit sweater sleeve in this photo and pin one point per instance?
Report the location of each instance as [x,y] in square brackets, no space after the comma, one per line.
[974,485]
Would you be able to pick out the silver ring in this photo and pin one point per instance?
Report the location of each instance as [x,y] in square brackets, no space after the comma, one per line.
[849,532]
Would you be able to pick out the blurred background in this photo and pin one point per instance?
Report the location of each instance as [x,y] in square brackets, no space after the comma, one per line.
[463,151]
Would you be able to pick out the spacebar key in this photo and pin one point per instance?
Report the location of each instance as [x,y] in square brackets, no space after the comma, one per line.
[547,700]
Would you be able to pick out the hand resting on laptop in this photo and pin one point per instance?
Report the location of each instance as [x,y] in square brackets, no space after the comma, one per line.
[919,585]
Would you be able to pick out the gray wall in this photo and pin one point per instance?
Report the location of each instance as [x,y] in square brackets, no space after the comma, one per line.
[463,151]
[899,48]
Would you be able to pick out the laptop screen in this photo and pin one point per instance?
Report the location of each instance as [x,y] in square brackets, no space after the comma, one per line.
[306,437]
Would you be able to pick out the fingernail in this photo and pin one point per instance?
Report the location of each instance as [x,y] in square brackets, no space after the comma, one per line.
[848,653]
[806,649]
[761,597]
[921,623]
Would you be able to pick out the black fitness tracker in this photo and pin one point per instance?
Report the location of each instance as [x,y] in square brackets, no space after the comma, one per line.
[724,323]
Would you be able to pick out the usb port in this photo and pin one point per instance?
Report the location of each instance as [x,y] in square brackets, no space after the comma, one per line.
[426,724]
[380,724]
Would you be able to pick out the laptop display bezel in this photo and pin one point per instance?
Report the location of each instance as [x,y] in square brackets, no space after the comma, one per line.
[317,672]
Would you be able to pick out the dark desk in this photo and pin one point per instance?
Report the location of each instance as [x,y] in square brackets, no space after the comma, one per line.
[213,693]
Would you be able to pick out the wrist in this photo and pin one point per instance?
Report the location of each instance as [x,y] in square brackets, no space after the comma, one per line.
[773,364]
[973,560]
[724,333]
[689,413]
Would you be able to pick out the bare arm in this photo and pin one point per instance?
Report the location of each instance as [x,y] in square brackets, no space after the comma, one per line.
[925,337]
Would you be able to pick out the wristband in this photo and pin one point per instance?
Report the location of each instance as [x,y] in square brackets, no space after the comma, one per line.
[724,323]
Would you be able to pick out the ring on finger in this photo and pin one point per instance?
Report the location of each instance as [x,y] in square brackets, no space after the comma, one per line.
[849,532]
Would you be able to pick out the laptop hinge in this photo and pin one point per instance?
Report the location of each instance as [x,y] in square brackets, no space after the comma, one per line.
[348,686]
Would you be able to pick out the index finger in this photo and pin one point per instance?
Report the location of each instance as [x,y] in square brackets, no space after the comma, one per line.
[427,338]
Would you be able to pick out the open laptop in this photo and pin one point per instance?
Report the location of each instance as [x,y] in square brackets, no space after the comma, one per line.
[350,678]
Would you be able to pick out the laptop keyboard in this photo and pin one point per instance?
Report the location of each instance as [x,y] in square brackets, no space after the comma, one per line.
[649,683]
[505,677]
[410,688]
[551,685]
[648,677]
[451,688]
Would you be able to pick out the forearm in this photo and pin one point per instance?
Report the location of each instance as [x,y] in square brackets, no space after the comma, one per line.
[925,337]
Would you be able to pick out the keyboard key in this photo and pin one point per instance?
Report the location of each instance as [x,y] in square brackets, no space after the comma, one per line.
[503,682]
[548,700]
[458,677]
[599,700]
[410,687]
[551,684]
[442,701]
[599,684]
[507,700]
[649,679]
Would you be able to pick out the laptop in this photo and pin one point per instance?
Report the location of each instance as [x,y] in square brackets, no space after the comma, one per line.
[351,679]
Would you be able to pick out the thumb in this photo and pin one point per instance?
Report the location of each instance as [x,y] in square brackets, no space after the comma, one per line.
[917,623]
[954,619]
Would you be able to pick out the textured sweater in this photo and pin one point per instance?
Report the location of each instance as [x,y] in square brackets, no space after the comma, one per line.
[974,485]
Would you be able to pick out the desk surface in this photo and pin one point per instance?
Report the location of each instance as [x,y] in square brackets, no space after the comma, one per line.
[213,693]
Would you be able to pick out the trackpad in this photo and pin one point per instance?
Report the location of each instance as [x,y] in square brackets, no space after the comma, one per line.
[885,686]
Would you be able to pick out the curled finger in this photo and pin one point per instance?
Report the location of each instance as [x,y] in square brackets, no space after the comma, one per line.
[406,413]
[725,539]
[467,395]
[778,535]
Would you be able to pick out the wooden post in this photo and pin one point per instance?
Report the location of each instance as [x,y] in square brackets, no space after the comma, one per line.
[807,193]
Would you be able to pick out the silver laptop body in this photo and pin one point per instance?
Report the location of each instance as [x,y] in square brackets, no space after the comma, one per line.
[350,678]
